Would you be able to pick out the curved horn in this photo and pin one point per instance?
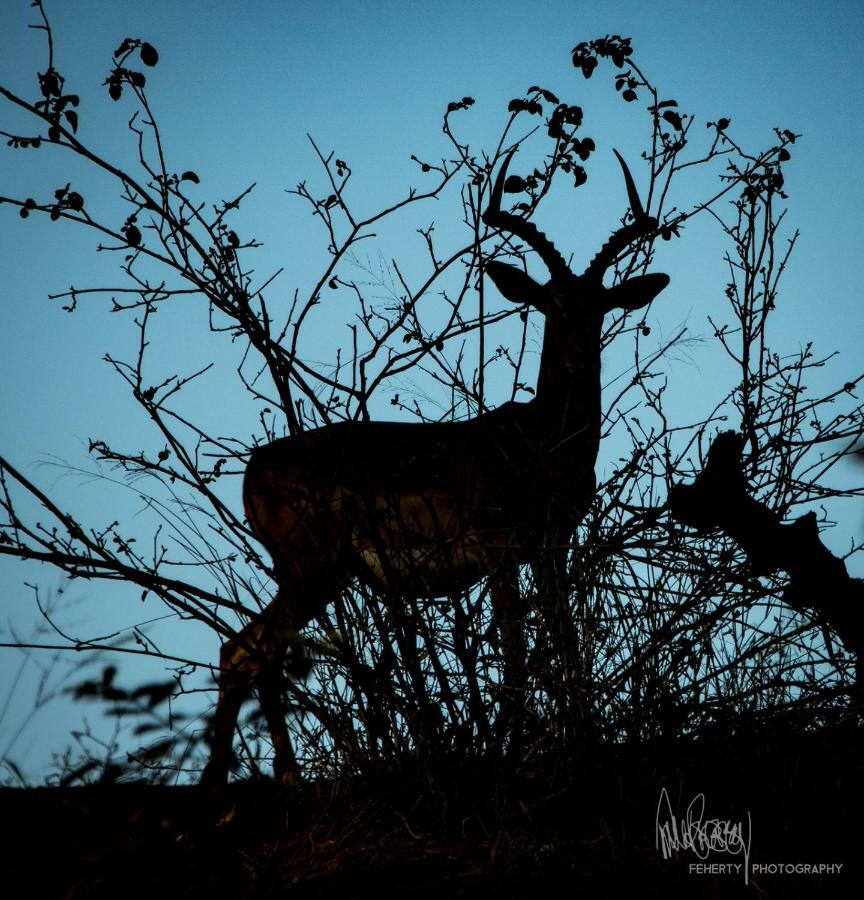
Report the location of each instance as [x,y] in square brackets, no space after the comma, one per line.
[498,187]
[622,238]
[495,217]
[632,193]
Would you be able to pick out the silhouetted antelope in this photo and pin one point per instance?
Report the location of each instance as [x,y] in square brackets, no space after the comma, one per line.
[427,510]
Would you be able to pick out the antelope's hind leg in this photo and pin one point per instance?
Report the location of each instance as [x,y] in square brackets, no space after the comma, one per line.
[234,683]
[270,681]
[255,657]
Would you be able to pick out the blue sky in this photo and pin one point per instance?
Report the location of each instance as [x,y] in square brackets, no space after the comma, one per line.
[238,87]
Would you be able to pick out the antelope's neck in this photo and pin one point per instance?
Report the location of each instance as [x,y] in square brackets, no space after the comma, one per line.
[568,399]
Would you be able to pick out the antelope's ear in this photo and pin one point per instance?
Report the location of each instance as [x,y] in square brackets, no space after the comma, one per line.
[515,285]
[634,293]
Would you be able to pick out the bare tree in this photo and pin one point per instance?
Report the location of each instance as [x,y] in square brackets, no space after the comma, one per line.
[629,625]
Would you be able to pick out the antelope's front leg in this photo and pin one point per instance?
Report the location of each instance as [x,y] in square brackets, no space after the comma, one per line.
[508,608]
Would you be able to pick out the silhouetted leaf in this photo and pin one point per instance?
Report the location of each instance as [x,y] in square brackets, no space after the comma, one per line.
[584,61]
[572,115]
[629,95]
[190,176]
[147,728]
[86,689]
[580,176]
[49,83]
[784,155]
[464,103]
[529,106]
[156,692]
[138,79]
[149,56]
[583,148]
[115,90]
[546,95]
[133,235]
[514,184]
[72,118]
[75,201]
[673,119]
[723,124]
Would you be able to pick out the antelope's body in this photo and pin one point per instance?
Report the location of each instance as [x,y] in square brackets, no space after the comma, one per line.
[427,510]
[422,509]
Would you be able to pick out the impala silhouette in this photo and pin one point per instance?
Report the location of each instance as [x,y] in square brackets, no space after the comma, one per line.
[416,510]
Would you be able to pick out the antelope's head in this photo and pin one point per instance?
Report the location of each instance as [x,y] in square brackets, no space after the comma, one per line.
[574,305]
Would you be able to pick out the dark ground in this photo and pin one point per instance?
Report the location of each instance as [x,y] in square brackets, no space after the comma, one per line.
[554,831]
